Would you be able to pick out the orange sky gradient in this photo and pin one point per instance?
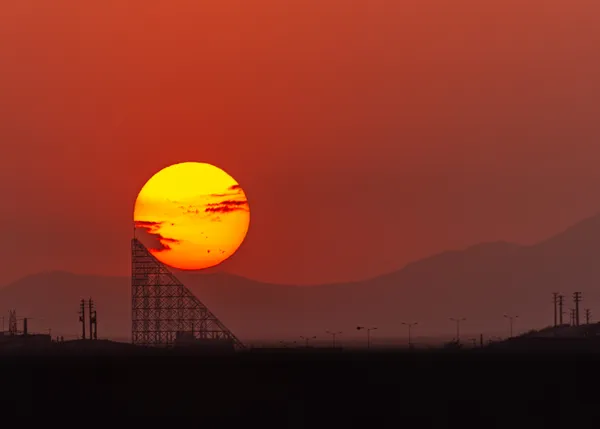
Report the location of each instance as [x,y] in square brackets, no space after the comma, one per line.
[369,133]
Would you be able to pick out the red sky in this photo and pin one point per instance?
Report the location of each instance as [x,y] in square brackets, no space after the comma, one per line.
[366,134]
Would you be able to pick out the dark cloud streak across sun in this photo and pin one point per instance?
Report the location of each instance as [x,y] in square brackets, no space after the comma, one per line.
[237,190]
[227,206]
[152,238]
[147,224]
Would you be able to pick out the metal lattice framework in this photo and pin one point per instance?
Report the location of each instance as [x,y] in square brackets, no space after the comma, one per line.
[163,308]
[12,322]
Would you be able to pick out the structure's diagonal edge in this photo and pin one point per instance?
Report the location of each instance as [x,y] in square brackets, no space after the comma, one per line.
[163,310]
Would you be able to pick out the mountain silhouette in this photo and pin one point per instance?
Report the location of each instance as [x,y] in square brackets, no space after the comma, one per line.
[480,283]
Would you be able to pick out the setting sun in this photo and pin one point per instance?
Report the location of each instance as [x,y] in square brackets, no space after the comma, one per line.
[191,215]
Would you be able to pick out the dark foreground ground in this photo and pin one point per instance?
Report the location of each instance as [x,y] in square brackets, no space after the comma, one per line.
[487,387]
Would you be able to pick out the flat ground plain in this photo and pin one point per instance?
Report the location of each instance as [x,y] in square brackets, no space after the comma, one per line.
[491,387]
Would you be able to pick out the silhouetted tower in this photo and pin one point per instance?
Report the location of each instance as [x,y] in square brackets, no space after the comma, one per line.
[25,326]
[572,317]
[561,302]
[555,301]
[94,323]
[82,317]
[162,307]
[576,300]
[588,316]
[12,322]
[92,319]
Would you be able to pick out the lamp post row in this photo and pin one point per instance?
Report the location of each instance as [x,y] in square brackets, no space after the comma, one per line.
[410,325]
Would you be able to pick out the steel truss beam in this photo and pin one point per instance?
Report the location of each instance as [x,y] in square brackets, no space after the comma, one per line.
[162,307]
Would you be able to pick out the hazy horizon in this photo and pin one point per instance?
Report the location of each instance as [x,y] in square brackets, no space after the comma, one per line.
[498,278]
[211,271]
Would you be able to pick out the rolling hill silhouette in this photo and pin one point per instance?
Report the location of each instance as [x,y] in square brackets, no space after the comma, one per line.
[480,283]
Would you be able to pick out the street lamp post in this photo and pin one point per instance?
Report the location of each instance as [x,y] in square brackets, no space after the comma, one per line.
[510,320]
[358,328]
[333,334]
[458,320]
[410,325]
[307,338]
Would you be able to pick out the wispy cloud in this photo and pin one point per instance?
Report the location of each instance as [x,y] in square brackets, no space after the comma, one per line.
[190,209]
[231,191]
[152,238]
[227,206]
[148,224]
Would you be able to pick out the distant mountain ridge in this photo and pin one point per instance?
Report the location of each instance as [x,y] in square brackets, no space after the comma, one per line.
[480,283]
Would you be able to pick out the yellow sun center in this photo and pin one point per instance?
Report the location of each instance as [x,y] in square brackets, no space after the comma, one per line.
[191,215]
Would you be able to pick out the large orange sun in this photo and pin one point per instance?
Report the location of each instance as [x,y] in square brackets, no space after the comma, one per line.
[191,215]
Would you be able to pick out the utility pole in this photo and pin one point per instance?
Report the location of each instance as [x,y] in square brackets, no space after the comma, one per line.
[561,302]
[572,312]
[358,328]
[95,326]
[94,323]
[82,317]
[333,334]
[555,301]
[511,318]
[458,320]
[576,300]
[588,316]
[410,325]
[90,316]
[93,320]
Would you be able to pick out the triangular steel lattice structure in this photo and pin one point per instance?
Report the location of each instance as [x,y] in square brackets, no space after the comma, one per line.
[163,309]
